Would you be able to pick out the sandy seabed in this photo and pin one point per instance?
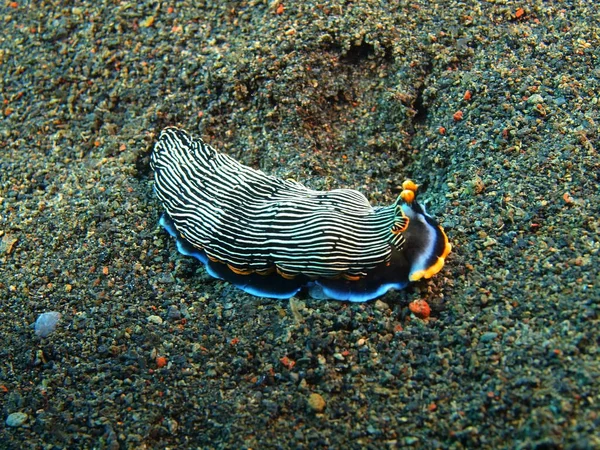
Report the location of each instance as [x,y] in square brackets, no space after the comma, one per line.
[492,107]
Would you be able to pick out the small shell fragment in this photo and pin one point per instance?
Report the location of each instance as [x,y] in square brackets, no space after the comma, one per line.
[46,323]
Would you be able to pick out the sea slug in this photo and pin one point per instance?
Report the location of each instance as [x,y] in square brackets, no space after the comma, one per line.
[272,237]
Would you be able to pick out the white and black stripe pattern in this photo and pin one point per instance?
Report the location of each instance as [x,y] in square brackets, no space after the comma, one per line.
[252,221]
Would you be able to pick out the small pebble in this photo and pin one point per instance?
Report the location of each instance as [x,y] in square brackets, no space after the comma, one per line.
[46,323]
[16,419]
[173,313]
[166,278]
[338,356]
[381,306]
[155,320]
[487,337]
[535,98]
[420,308]
[316,402]
[161,362]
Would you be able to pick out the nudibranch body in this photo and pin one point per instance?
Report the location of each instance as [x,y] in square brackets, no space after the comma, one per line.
[272,237]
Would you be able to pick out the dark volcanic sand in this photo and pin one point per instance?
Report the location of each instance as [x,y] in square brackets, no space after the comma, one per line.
[360,95]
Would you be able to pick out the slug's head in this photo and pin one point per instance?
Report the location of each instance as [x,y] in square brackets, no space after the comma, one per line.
[421,244]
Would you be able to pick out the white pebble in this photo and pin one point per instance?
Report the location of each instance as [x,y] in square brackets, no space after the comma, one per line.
[16,419]
[155,319]
[46,323]
[536,98]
